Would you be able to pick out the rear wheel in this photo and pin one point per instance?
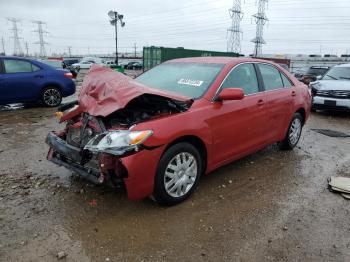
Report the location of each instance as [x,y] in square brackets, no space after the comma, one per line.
[293,133]
[51,96]
[178,174]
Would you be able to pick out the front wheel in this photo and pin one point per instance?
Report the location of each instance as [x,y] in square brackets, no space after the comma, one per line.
[51,96]
[178,174]
[293,133]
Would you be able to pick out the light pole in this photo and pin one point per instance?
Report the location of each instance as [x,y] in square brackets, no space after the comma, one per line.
[115,17]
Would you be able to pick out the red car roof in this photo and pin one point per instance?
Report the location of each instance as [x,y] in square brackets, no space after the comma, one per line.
[216,60]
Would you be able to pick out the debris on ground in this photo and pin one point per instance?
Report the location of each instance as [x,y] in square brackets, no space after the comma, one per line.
[340,185]
[61,255]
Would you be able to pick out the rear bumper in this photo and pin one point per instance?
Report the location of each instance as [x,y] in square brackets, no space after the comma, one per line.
[329,103]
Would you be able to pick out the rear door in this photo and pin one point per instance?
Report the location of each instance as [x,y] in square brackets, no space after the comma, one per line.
[21,81]
[237,126]
[280,93]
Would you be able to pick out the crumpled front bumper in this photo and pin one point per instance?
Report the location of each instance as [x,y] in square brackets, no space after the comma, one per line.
[71,158]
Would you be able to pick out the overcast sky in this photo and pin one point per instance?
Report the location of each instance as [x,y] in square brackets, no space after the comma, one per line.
[295,26]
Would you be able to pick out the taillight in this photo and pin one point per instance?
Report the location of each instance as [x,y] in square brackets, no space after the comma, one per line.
[68,75]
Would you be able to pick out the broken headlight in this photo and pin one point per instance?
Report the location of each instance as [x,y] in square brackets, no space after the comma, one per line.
[118,142]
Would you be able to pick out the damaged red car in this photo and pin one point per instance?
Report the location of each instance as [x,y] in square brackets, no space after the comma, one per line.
[159,133]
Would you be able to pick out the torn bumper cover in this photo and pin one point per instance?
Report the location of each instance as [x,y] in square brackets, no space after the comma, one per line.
[75,159]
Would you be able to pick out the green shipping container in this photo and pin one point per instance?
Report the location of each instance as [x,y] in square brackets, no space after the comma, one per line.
[153,56]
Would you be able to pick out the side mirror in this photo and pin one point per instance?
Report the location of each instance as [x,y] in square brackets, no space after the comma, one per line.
[231,94]
[319,77]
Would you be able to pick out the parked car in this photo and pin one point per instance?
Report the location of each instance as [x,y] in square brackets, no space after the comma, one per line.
[134,65]
[332,91]
[69,62]
[83,65]
[27,80]
[159,133]
[110,64]
[313,72]
[137,66]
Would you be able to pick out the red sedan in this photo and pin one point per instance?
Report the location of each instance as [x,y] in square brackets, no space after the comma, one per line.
[157,134]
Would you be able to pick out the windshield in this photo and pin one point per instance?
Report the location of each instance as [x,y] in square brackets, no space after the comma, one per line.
[337,73]
[187,79]
[316,71]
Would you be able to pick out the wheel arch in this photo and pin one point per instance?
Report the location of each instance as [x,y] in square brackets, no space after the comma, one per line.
[197,143]
[302,112]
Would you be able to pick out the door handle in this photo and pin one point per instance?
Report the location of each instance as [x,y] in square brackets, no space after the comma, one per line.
[260,102]
[294,93]
[39,76]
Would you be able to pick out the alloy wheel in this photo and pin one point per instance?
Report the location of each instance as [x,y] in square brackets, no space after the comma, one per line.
[52,97]
[180,174]
[295,131]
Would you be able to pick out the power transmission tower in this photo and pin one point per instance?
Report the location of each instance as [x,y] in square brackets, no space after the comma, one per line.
[69,51]
[260,20]
[41,41]
[3,46]
[235,33]
[135,48]
[17,50]
[27,48]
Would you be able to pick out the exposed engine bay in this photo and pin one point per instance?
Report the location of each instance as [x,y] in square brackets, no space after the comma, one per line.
[143,108]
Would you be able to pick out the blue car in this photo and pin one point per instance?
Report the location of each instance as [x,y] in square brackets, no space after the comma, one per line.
[29,81]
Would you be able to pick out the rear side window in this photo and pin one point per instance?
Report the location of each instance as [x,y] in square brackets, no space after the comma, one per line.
[286,81]
[271,77]
[243,76]
[17,66]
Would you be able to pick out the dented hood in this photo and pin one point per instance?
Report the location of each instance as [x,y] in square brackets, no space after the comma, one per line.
[105,91]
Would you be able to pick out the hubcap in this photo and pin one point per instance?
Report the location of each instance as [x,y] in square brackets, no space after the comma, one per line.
[295,131]
[180,174]
[52,97]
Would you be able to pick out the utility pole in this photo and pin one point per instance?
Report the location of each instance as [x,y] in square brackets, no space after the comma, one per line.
[135,48]
[41,41]
[115,17]
[235,33]
[260,20]
[69,51]
[17,50]
[27,48]
[3,46]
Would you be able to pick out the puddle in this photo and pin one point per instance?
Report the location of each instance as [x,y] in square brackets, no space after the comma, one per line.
[331,133]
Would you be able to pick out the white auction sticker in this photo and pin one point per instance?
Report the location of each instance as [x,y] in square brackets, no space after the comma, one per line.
[190,82]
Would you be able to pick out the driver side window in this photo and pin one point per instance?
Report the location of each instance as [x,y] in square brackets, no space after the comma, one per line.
[243,76]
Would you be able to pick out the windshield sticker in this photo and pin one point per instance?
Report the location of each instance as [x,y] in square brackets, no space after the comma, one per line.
[190,82]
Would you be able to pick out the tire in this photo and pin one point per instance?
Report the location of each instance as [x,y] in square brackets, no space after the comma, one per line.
[172,186]
[51,96]
[294,132]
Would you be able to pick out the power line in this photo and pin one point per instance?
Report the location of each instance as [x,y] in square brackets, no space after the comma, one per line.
[17,50]
[260,20]
[41,41]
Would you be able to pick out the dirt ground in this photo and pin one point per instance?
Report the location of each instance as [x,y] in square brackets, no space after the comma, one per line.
[271,206]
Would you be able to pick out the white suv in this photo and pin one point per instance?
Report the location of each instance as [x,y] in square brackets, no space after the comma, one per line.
[332,91]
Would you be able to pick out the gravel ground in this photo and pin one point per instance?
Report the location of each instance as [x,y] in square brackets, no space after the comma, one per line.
[271,206]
